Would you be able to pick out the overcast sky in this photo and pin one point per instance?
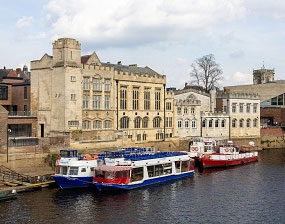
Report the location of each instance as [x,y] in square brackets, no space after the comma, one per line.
[166,35]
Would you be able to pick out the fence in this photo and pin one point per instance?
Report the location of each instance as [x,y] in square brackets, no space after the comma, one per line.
[17,142]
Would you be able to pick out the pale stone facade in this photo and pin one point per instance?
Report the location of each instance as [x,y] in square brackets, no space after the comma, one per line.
[261,76]
[70,92]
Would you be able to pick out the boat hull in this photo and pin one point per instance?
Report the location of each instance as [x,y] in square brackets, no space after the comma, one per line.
[208,163]
[73,182]
[103,186]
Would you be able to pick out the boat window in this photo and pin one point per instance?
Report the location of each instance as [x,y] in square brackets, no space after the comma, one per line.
[150,170]
[63,170]
[117,174]
[177,165]
[124,173]
[109,175]
[83,170]
[167,168]
[73,170]
[185,166]
[99,174]
[137,174]
[92,169]
[158,170]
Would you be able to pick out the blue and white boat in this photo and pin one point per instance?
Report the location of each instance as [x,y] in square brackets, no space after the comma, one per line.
[133,171]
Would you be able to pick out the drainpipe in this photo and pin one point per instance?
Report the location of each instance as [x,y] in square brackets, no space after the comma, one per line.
[164,130]
[117,84]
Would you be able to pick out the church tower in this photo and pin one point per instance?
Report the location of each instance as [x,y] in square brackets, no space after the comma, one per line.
[263,75]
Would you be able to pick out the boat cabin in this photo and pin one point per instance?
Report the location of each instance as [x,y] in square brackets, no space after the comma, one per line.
[112,174]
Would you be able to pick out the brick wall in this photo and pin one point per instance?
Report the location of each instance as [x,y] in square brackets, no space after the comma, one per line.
[18,97]
[3,129]
[278,114]
[277,132]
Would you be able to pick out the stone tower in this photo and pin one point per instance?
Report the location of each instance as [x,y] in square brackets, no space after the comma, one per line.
[263,75]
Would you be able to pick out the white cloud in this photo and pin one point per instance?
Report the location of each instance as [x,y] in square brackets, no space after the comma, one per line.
[25,21]
[239,78]
[129,22]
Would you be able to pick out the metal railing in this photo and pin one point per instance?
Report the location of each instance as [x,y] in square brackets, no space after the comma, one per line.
[17,142]
[20,114]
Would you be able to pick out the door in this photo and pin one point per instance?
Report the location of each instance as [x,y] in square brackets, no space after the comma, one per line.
[42,130]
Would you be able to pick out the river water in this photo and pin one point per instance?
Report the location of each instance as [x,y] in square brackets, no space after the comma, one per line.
[253,193]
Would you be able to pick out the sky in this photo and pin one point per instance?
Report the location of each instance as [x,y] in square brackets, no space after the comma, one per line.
[166,35]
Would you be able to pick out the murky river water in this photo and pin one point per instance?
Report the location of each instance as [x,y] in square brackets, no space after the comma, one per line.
[253,193]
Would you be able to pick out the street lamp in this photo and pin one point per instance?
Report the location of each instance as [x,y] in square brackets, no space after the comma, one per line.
[8,131]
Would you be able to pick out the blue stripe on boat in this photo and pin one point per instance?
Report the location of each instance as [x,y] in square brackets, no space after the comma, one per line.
[73,182]
[102,186]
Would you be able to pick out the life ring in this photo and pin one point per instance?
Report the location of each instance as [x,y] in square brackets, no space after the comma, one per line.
[226,149]
[195,149]
[95,157]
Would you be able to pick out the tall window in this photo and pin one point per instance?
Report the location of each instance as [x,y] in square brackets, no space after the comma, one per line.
[178,110]
[168,105]
[187,124]
[96,84]
[96,102]
[170,122]
[123,98]
[255,108]
[157,100]
[204,123]
[255,123]
[241,107]
[241,123]
[234,107]
[193,123]
[85,83]
[107,102]
[185,110]
[107,85]
[135,99]
[179,124]
[85,101]
[248,108]
[145,122]
[137,122]
[210,123]
[3,92]
[73,97]
[234,123]
[223,123]
[192,110]
[97,124]
[156,122]
[124,122]
[107,124]
[166,122]
[25,93]
[86,125]
[248,123]
[216,123]
[147,100]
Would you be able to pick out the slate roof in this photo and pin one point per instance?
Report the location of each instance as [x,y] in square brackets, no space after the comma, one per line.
[4,73]
[85,58]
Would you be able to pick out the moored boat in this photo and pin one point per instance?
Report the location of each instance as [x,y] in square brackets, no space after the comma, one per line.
[140,170]
[8,195]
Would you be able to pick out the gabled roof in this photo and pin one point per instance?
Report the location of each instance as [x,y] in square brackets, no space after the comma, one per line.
[4,73]
[90,59]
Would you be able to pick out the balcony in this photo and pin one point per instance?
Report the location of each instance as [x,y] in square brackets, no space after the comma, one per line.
[20,114]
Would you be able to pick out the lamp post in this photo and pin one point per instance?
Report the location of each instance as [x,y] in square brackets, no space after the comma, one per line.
[8,131]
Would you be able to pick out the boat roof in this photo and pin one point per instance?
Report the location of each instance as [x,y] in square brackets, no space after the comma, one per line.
[113,168]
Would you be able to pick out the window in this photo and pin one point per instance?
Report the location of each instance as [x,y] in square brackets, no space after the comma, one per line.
[280,100]
[234,107]
[3,92]
[123,98]
[73,123]
[25,93]
[248,123]
[145,122]
[138,137]
[210,123]
[193,123]
[223,123]
[179,124]
[73,97]
[96,102]
[255,123]
[107,85]
[255,108]
[85,83]
[274,101]
[137,122]
[241,123]
[168,105]
[135,99]
[156,122]
[124,122]
[186,124]
[97,124]
[168,122]
[147,99]
[144,137]
[71,55]
[216,123]
[234,123]
[192,110]
[225,109]
[248,108]
[85,101]
[107,124]
[137,174]
[185,110]
[86,125]
[72,78]
[107,102]
[83,170]
[63,170]
[178,110]
[185,166]
[96,84]
[204,123]
[241,107]
[157,100]
[25,109]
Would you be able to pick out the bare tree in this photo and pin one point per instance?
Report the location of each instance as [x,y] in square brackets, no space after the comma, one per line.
[205,72]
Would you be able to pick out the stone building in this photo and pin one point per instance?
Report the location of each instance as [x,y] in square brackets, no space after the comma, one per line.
[74,93]
[261,76]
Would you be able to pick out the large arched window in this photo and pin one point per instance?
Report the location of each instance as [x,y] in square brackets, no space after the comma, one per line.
[156,122]
[179,123]
[216,123]
[255,123]
[145,122]
[107,124]
[223,123]
[86,125]
[137,122]
[193,123]
[248,121]
[234,123]
[124,122]
[97,124]
[241,123]
[204,123]
[186,125]
[210,123]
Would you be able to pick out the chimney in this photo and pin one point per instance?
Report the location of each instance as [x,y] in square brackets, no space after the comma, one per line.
[119,62]
[18,71]
[4,67]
